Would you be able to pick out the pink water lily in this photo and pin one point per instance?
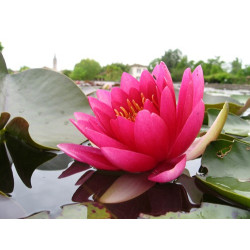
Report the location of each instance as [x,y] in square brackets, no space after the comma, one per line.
[138,127]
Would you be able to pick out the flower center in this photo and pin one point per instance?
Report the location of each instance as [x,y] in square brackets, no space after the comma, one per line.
[130,112]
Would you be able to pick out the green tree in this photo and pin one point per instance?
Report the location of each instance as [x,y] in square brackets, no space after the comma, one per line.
[86,69]
[1,47]
[153,63]
[123,67]
[177,72]
[67,72]
[111,72]
[23,68]
[236,66]
[212,66]
[246,70]
[171,58]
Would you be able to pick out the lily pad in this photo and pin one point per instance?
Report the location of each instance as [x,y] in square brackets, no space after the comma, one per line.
[47,100]
[226,169]
[73,211]
[206,211]
[219,99]
[234,124]
[87,210]
[97,211]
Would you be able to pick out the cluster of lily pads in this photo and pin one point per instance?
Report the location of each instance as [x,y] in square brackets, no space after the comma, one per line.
[36,106]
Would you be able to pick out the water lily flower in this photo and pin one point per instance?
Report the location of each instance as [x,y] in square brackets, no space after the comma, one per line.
[138,127]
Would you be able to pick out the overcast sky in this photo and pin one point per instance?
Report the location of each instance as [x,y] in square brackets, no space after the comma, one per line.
[130,31]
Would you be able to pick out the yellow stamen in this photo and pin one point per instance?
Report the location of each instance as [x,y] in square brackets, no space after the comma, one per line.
[116,112]
[131,107]
[143,99]
[138,108]
[154,102]
[125,112]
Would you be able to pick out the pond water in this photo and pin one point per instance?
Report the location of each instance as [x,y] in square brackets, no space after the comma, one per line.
[49,193]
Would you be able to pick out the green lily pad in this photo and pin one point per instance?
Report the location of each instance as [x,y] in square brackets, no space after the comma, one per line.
[234,124]
[226,165]
[97,211]
[47,100]
[73,211]
[219,99]
[233,108]
[87,210]
[39,215]
[206,211]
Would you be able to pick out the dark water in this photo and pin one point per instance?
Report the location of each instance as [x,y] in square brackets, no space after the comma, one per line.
[49,193]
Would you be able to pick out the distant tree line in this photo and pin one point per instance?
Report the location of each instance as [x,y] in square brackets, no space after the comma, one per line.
[215,70]
[89,69]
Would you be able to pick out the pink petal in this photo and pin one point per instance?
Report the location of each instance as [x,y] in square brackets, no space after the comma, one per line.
[156,71]
[198,81]
[168,171]
[124,131]
[119,98]
[164,79]
[82,116]
[81,125]
[168,112]
[147,85]
[85,120]
[128,160]
[148,105]
[96,104]
[104,120]
[89,155]
[185,101]
[135,94]
[128,82]
[102,140]
[95,124]
[151,136]
[127,187]
[189,131]
[104,96]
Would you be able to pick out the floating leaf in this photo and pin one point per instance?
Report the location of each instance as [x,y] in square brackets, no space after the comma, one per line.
[206,211]
[73,211]
[226,169]
[39,215]
[219,99]
[97,211]
[88,210]
[234,124]
[47,100]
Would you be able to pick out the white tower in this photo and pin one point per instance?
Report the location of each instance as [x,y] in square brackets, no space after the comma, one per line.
[55,63]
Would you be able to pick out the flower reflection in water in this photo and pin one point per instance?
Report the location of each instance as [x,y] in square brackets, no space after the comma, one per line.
[156,199]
